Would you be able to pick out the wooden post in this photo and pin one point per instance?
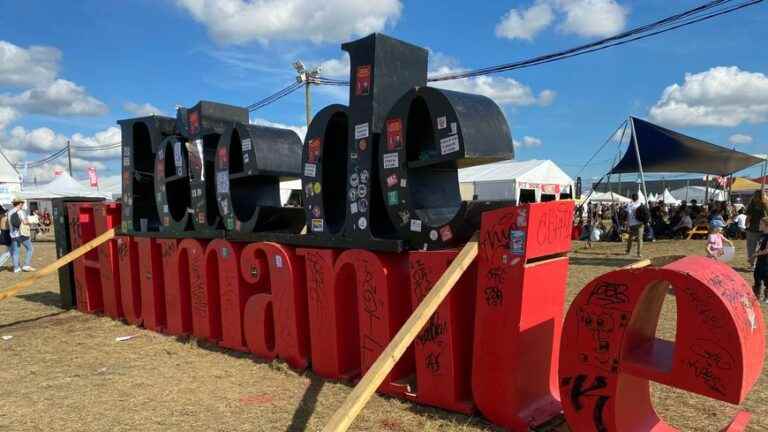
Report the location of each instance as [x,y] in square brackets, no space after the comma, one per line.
[367,386]
[54,266]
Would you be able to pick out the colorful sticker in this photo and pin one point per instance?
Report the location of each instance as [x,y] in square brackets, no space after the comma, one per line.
[454,128]
[363,205]
[522,218]
[364,176]
[362,223]
[310,169]
[362,145]
[313,150]
[441,122]
[222,182]
[362,190]
[392,198]
[246,145]
[433,235]
[353,155]
[317,187]
[416,225]
[391,160]
[516,242]
[445,233]
[193,120]
[317,225]
[278,261]
[363,81]
[352,194]
[392,180]
[177,153]
[354,180]
[223,156]
[361,131]
[403,182]
[316,211]
[449,145]
[394,134]
[353,207]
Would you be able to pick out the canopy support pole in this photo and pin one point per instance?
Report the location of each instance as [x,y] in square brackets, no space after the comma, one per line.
[764,172]
[639,162]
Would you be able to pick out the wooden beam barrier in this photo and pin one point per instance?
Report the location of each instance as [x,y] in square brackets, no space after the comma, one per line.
[372,379]
[54,266]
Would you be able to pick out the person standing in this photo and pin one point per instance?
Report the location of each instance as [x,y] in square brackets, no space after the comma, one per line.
[20,233]
[757,209]
[637,216]
[5,236]
[761,262]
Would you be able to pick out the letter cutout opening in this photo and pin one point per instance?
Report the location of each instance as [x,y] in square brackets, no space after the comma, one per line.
[610,352]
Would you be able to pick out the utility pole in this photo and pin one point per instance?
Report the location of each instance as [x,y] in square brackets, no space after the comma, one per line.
[307,77]
[69,157]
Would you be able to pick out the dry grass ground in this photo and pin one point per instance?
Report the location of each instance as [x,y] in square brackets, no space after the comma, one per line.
[64,371]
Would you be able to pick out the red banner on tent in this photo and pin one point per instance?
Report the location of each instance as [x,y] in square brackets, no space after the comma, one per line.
[92,177]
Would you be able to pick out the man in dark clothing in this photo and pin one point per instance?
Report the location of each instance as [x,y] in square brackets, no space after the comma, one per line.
[757,209]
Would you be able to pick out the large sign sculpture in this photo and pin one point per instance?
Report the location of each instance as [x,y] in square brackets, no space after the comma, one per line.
[610,351]
[206,249]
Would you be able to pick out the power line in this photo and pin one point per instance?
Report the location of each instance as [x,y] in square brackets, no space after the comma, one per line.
[51,157]
[695,15]
[275,96]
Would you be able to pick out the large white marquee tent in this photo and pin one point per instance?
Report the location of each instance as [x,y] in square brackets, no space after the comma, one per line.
[506,180]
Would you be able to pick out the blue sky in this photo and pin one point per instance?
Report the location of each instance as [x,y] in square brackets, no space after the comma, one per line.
[69,70]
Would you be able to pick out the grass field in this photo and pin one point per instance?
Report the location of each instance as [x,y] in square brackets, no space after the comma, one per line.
[64,371]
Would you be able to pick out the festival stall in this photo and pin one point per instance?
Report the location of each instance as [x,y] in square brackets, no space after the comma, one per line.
[519,181]
[698,193]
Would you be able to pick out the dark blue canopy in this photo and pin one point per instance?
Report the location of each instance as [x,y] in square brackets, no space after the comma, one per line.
[664,150]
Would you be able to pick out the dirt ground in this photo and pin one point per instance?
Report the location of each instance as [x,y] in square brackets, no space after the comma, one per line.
[64,371]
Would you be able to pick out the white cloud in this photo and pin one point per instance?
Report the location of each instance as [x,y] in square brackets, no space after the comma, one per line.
[737,139]
[7,115]
[588,18]
[504,91]
[37,143]
[142,110]
[300,130]
[28,66]
[527,141]
[240,21]
[335,67]
[722,96]
[593,18]
[59,98]
[525,24]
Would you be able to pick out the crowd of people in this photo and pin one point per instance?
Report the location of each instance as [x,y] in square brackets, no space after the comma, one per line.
[639,222]
[15,232]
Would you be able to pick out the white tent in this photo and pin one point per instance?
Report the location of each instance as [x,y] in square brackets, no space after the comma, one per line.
[668,198]
[505,180]
[652,197]
[10,180]
[641,196]
[62,186]
[287,187]
[697,193]
[607,197]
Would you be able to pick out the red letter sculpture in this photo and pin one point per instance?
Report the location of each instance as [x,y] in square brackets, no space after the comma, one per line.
[610,352]
[521,273]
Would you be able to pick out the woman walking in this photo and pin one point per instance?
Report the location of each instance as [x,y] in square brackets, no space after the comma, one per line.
[20,233]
